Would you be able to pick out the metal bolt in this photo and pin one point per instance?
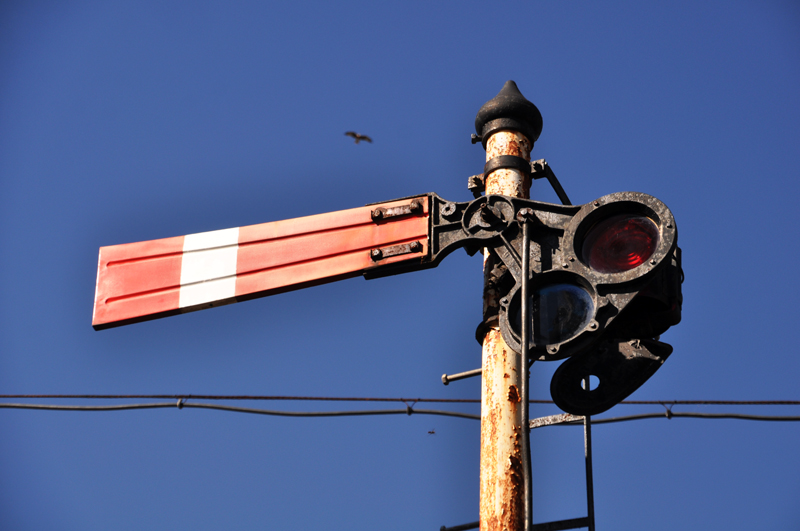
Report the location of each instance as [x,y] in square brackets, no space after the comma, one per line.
[416,205]
[593,326]
[652,262]
[524,214]
[448,209]
[596,203]
[376,254]
[565,265]
[377,214]
[415,247]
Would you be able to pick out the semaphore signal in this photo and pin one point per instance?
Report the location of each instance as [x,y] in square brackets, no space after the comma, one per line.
[595,284]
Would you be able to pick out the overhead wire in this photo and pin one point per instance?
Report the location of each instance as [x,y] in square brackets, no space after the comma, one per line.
[409,410]
[245,397]
[183,404]
[386,399]
[689,414]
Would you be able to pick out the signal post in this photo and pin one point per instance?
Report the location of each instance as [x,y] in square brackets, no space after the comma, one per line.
[502,456]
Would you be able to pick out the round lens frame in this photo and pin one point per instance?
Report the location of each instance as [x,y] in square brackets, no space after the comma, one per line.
[561,312]
[590,217]
[620,243]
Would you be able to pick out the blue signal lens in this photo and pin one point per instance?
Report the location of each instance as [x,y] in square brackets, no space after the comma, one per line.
[560,312]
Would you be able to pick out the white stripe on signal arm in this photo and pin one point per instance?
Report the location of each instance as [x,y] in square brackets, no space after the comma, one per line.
[208,267]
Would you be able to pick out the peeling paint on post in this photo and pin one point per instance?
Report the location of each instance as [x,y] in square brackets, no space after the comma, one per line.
[501,465]
[507,125]
[509,181]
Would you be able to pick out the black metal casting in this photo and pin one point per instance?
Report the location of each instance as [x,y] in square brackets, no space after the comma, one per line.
[635,304]
[524,216]
[381,213]
[395,250]
[507,161]
[541,170]
[560,525]
[620,366]
[537,169]
[508,111]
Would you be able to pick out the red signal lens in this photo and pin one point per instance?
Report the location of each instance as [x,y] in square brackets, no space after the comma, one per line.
[620,243]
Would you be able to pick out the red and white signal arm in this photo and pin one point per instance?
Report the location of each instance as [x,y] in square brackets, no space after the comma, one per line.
[152,279]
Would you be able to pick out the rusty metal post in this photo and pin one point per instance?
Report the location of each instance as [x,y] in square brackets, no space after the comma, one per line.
[507,125]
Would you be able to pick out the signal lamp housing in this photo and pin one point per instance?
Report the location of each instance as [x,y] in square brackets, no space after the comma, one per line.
[617,252]
[613,277]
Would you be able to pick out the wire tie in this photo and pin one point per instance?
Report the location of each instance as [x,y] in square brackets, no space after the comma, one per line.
[669,409]
[180,403]
[409,409]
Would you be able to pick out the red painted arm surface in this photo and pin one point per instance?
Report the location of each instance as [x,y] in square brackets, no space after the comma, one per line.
[152,279]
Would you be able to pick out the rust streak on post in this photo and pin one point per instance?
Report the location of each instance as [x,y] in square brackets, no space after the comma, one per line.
[501,465]
[508,181]
[507,125]
[501,492]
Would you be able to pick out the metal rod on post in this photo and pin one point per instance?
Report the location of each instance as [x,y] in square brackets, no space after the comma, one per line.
[525,379]
[507,126]
[587,446]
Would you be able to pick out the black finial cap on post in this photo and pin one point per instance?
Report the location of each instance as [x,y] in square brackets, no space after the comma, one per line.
[509,110]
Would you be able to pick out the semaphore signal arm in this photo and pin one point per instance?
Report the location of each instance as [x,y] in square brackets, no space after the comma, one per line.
[158,278]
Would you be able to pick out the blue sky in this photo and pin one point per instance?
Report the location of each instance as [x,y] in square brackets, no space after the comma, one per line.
[123,122]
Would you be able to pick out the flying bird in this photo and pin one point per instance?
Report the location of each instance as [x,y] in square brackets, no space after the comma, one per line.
[358,137]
